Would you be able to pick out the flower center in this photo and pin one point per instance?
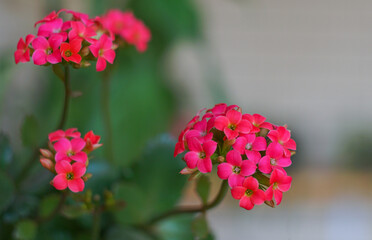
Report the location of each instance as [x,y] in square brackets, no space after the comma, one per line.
[49,51]
[275,185]
[236,169]
[202,155]
[249,192]
[69,176]
[100,52]
[248,146]
[232,127]
[68,53]
[273,161]
[70,153]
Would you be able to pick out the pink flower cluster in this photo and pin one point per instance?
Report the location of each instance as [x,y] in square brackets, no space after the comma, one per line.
[249,152]
[82,39]
[67,157]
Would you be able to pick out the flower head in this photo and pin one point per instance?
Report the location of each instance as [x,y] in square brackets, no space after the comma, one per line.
[69,176]
[248,193]
[22,54]
[200,154]
[59,134]
[70,51]
[103,51]
[279,183]
[232,124]
[92,141]
[47,51]
[70,150]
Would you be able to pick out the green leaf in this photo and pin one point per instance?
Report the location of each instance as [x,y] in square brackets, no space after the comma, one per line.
[48,204]
[6,153]
[200,227]
[134,199]
[176,228]
[30,131]
[203,186]
[74,211]
[58,70]
[120,233]
[25,230]
[7,190]
[156,184]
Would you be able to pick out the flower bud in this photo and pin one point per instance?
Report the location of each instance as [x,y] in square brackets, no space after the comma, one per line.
[47,163]
[85,51]
[46,153]
[187,171]
[220,159]
[270,203]
[86,176]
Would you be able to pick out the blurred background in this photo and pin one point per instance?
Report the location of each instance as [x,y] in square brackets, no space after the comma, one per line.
[302,63]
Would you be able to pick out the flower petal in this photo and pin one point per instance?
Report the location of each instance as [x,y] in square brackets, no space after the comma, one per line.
[39,57]
[205,165]
[234,158]
[238,192]
[221,122]
[80,157]
[258,197]
[234,116]
[245,202]
[63,145]
[76,185]
[78,169]
[101,64]
[248,168]
[235,180]
[244,126]
[63,167]
[224,170]
[209,148]
[250,183]
[77,144]
[191,159]
[264,165]
[60,181]
[278,195]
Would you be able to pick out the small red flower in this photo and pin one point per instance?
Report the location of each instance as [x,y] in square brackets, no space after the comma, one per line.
[70,150]
[59,134]
[69,176]
[92,141]
[70,51]
[248,193]
[279,183]
[22,54]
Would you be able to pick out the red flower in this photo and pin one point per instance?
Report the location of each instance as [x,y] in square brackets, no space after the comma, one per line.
[70,51]
[69,176]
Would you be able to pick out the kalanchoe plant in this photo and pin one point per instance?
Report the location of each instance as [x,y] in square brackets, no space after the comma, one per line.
[81,39]
[249,153]
[67,157]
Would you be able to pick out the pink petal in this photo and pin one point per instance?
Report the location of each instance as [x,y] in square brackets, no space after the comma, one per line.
[238,192]
[94,50]
[221,123]
[54,58]
[274,150]
[78,169]
[230,134]
[55,41]
[234,158]
[76,185]
[278,195]
[240,144]
[39,57]
[291,144]
[194,145]
[209,147]
[191,159]
[250,183]
[101,64]
[76,58]
[285,184]
[234,116]
[284,162]
[21,44]
[235,180]
[245,202]
[60,181]
[248,168]
[276,176]
[259,144]
[266,125]
[205,165]
[264,165]
[258,197]
[109,55]
[54,136]
[75,45]
[201,126]
[224,170]
[244,126]
[80,157]
[269,193]
[63,167]
[258,119]
[273,135]
[60,156]
[253,156]
[40,43]
[179,148]
[284,134]
[77,144]
[63,145]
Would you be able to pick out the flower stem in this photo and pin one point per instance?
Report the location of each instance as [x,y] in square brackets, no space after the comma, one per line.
[105,97]
[96,224]
[28,165]
[193,209]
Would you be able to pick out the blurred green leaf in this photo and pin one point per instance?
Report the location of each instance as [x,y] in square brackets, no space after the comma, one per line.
[200,227]
[134,199]
[7,190]
[6,153]
[120,233]
[30,131]
[48,204]
[176,228]
[25,230]
[74,211]
[156,184]
[22,207]
[203,186]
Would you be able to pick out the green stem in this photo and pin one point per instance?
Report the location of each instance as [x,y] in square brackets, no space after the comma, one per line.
[193,209]
[28,165]
[96,224]
[106,114]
